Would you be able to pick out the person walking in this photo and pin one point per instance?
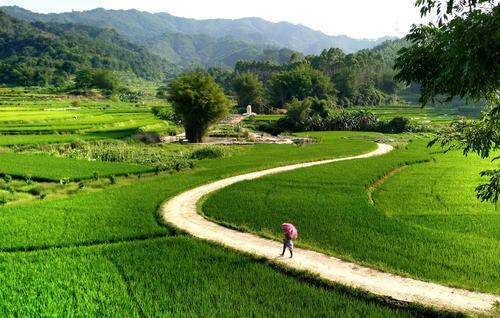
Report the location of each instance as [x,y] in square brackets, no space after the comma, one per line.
[290,232]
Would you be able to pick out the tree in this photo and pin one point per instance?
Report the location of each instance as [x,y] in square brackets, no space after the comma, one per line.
[300,82]
[249,89]
[98,78]
[459,57]
[105,80]
[198,102]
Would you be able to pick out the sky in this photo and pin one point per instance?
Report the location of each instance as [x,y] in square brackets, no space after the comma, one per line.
[355,18]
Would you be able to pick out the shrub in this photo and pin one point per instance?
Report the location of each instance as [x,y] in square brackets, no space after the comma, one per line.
[7,178]
[95,176]
[112,179]
[208,152]
[397,125]
[36,191]
[164,113]
[3,200]
[28,180]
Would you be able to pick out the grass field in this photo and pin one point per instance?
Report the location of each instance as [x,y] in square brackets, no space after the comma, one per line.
[130,211]
[103,251]
[426,223]
[171,277]
[56,257]
[43,167]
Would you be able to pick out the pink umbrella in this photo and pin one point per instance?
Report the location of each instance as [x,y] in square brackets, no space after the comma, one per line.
[289,230]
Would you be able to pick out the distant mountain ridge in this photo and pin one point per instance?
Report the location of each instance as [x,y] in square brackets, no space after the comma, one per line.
[142,27]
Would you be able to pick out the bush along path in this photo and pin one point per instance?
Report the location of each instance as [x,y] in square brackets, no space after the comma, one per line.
[181,212]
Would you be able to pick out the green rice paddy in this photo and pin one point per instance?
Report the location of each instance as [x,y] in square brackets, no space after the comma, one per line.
[425,221]
[105,252]
[44,167]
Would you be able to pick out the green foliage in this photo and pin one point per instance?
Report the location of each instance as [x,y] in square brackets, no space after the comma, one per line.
[97,78]
[209,152]
[7,178]
[112,179]
[42,54]
[198,102]
[223,76]
[130,211]
[362,79]
[164,113]
[301,82]
[481,137]
[249,89]
[460,58]
[207,42]
[313,114]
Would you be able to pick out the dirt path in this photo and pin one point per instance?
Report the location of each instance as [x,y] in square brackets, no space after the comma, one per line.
[181,212]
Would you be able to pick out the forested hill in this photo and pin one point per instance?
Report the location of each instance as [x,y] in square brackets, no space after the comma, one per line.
[140,27]
[41,53]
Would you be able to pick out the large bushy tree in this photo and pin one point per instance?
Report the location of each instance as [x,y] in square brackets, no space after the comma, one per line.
[198,101]
[460,57]
[97,78]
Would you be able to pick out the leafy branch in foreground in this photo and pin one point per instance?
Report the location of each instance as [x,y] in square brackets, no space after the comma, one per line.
[481,137]
[460,58]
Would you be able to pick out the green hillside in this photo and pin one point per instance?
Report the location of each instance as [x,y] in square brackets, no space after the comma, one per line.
[142,27]
[44,53]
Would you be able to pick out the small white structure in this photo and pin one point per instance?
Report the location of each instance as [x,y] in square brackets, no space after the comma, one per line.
[249,111]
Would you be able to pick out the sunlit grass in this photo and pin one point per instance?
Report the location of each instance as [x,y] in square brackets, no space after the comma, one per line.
[426,225]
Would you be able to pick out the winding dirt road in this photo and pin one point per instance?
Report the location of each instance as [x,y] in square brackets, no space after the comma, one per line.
[181,212]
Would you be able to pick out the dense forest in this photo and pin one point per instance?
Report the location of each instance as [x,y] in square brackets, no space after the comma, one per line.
[45,53]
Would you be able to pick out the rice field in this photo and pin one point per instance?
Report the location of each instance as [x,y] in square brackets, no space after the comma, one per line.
[129,211]
[25,114]
[168,277]
[44,167]
[425,221]
[103,251]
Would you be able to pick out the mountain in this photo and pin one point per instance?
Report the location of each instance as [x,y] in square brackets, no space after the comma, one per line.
[40,53]
[141,27]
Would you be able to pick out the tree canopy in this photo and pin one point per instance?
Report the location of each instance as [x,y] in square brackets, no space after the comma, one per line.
[249,89]
[300,82]
[198,101]
[460,57]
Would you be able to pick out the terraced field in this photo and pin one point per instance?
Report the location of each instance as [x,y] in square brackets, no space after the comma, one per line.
[66,118]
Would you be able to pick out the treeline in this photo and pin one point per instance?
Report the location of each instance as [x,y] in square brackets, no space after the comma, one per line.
[315,114]
[364,78]
[41,53]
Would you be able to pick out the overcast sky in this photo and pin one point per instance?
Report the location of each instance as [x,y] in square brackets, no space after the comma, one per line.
[356,18]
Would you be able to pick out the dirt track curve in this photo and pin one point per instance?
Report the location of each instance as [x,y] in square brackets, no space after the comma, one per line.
[181,212]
